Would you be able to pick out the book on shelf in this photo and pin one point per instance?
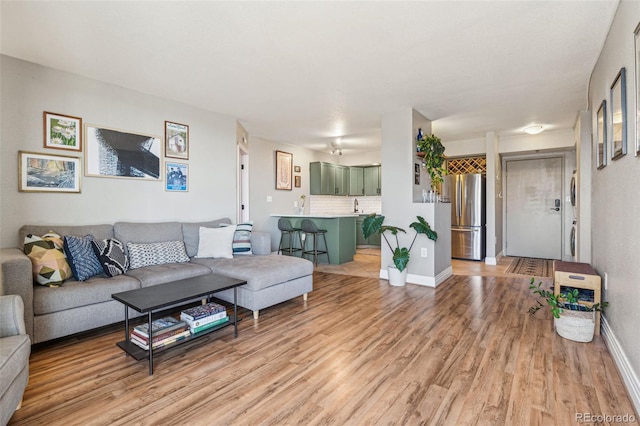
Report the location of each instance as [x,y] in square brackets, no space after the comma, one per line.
[202,311]
[207,326]
[156,345]
[159,326]
[160,336]
[204,320]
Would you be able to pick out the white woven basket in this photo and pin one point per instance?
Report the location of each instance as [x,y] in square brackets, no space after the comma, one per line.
[578,326]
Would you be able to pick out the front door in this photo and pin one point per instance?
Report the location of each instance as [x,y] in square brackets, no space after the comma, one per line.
[533,199]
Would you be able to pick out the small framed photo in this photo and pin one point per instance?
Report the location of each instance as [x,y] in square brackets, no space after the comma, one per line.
[177,177]
[297,169]
[298,181]
[62,131]
[284,169]
[48,173]
[618,109]
[176,140]
[601,136]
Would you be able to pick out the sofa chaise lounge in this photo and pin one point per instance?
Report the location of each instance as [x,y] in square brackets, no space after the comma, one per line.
[76,306]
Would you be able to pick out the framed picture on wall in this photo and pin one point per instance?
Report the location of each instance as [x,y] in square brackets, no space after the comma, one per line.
[48,173]
[618,121]
[297,169]
[176,177]
[176,140]
[636,44]
[121,154]
[62,131]
[298,181]
[601,136]
[284,170]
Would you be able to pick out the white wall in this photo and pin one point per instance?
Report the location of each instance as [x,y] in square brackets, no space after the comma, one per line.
[29,89]
[262,181]
[616,203]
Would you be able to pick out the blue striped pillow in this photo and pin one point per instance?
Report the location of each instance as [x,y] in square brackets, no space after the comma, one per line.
[83,261]
[242,238]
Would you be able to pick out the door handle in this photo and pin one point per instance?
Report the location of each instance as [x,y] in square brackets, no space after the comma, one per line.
[555,208]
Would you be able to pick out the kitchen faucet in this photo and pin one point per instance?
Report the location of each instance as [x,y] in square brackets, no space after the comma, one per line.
[355,205]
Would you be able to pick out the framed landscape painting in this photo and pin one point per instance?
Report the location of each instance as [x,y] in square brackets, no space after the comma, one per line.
[62,131]
[176,140]
[121,154]
[48,173]
[177,177]
[284,170]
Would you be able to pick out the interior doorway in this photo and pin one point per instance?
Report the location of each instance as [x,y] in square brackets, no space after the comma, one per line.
[243,185]
[533,212]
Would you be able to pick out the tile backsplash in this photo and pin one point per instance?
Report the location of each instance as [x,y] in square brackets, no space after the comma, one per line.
[321,204]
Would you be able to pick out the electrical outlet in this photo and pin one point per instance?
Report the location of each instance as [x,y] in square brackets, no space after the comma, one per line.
[606,280]
[423,252]
[269,198]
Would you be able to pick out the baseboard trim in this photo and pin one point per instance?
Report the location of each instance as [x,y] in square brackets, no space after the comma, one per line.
[629,377]
[493,261]
[423,280]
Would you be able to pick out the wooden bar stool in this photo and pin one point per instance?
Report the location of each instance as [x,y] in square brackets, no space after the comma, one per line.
[310,228]
[287,230]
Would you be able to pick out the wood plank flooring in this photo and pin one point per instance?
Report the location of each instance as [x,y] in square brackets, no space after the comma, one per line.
[358,352]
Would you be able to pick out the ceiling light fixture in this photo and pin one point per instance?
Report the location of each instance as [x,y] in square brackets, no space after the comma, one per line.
[335,149]
[533,129]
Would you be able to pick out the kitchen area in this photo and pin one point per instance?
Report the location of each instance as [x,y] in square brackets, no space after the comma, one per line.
[340,198]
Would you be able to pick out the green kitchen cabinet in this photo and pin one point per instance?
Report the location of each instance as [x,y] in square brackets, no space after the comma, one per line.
[372,180]
[373,240]
[328,179]
[356,181]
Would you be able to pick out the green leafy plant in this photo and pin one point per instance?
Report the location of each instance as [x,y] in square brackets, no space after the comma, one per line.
[374,224]
[567,300]
[433,161]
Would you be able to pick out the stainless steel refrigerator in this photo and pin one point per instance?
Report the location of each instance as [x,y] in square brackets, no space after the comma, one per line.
[468,215]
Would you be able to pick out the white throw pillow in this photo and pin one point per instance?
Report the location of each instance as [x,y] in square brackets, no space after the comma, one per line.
[216,242]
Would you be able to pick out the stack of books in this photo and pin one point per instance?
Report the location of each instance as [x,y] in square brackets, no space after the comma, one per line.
[165,331]
[204,317]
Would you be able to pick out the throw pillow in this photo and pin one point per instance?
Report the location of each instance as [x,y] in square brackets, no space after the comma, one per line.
[216,242]
[83,261]
[241,238]
[111,255]
[50,266]
[147,254]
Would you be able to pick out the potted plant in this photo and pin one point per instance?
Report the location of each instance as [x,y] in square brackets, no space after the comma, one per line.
[374,224]
[572,320]
[433,161]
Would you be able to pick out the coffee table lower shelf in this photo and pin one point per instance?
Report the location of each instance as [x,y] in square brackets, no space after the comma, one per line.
[139,354]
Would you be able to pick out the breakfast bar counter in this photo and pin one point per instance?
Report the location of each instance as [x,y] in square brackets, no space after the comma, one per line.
[341,234]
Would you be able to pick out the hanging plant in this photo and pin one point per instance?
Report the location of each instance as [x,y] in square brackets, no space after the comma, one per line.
[434,158]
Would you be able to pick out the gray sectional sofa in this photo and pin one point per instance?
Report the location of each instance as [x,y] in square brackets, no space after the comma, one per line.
[53,312]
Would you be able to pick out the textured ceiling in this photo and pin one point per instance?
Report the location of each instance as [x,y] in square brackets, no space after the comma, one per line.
[308,72]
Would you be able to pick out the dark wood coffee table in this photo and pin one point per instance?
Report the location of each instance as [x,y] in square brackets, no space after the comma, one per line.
[154,298]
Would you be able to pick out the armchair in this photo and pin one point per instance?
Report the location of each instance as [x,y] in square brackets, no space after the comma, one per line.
[15,348]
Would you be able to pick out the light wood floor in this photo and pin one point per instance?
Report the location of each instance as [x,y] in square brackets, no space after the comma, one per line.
[358,352]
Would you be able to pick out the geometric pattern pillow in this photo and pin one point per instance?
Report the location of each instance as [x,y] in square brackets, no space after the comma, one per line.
[50,266]
[83,261]
[242,238]
[111,255]
[146,254]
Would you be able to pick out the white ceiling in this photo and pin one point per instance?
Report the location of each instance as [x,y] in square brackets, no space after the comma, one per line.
[307,72]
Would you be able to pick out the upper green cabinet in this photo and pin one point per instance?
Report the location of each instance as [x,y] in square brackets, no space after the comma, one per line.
[335,179]
[372,180]
[328,179]
[356,181]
